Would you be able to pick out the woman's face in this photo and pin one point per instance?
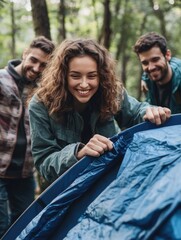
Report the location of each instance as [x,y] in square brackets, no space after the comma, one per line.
[83,80]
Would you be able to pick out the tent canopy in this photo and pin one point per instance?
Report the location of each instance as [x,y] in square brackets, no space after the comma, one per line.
[132,192]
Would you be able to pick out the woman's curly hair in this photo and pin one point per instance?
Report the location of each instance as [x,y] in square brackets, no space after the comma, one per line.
[53,90]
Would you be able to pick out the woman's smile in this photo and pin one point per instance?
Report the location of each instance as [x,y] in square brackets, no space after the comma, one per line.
[83,78]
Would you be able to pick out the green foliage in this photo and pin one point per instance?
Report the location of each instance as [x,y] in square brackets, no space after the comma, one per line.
[129,19]
[2,2]
[23,29]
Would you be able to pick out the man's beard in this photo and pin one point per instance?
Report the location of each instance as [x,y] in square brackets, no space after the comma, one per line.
[163,73]
[24,74]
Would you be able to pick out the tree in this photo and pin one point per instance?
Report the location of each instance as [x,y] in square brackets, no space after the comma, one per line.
[61,18]
[40,18]
[13,32]
[105,37]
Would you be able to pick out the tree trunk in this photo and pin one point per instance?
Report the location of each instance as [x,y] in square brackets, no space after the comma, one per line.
[40,18]
[13,31]
[105,36]
[122,44]
[160,15]
[61,20]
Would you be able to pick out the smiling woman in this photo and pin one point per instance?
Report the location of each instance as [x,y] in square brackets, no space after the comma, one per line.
[72,112]
[83,80]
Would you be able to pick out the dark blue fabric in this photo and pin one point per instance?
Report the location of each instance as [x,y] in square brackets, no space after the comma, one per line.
[45,223]
[143,202]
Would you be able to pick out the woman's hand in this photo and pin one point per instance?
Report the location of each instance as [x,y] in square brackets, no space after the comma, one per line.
[96,146]
[157,115]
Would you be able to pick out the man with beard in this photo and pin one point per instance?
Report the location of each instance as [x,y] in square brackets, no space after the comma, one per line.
[17,80]
[161,80]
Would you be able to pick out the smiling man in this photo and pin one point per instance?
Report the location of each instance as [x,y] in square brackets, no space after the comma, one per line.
[17,80]
[161,80]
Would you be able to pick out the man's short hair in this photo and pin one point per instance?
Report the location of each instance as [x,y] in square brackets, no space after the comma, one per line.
[149,40]
[43,43]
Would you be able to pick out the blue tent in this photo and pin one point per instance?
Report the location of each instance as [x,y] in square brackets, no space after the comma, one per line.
[132,192]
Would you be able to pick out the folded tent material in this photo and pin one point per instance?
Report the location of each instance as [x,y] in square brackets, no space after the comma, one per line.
[132,192]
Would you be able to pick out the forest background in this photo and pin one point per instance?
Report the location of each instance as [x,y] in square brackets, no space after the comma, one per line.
[114,23]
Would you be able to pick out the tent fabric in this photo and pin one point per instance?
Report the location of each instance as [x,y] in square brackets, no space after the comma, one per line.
[45,223]
[143,202]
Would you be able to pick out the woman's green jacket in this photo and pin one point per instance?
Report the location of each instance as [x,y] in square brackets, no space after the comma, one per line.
[54,143]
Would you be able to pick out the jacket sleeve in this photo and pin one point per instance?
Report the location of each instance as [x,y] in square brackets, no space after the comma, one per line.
[131,111]
[50,159]
[145,78]
[148,94]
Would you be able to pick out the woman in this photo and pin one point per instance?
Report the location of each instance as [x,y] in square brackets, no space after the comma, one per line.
[72,112]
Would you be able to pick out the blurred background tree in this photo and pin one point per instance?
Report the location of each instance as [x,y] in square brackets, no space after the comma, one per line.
[115,23]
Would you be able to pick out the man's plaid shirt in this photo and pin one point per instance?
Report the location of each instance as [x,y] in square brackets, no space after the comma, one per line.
[11,108]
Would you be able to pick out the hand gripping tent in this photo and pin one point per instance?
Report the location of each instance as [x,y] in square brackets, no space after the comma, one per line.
[130,193]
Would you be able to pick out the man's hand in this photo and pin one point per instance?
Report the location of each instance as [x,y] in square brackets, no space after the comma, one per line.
[144,87]
[96,146]
[157,115]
